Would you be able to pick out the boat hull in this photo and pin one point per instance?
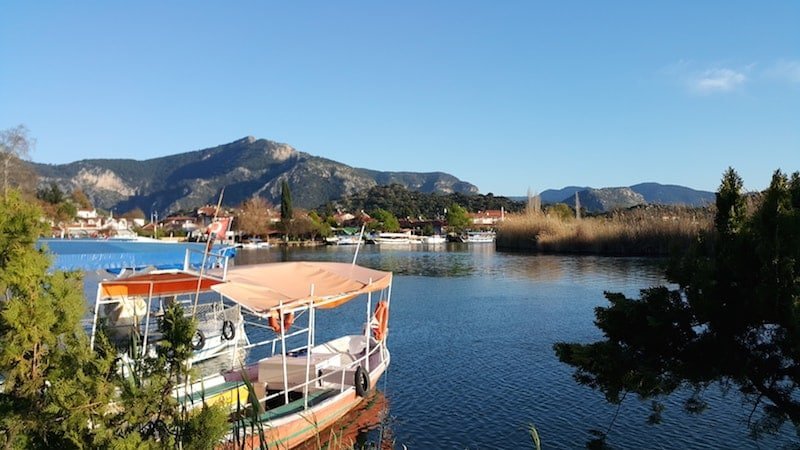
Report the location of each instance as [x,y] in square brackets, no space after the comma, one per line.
[293,430]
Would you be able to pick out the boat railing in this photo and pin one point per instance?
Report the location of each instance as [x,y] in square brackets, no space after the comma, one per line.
[325,375]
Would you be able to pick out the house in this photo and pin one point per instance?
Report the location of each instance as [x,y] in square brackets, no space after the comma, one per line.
[488,218]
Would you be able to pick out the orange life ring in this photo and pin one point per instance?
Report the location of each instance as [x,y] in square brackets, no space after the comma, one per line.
[380,322]
[288,320]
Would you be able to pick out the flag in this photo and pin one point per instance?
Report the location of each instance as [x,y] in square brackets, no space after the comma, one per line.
[218,228]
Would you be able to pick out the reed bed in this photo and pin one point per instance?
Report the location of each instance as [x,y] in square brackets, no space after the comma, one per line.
[650,231]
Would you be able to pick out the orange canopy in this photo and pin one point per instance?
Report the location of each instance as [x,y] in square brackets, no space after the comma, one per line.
[165,283]
[264,287]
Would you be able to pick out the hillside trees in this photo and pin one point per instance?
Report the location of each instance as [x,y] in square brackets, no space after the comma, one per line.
[734,318]
[406,203]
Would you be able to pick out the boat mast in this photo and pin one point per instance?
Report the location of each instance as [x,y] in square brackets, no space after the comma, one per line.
[358,244]
[205,255]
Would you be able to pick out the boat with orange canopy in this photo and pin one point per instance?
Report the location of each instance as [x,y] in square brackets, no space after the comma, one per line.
[296,386]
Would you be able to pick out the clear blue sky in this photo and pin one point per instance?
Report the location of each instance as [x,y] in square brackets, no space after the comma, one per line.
[506,95]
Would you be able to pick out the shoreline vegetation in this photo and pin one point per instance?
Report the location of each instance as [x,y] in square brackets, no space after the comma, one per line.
[647,231]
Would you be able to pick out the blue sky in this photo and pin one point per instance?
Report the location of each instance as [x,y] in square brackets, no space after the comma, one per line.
[506,95]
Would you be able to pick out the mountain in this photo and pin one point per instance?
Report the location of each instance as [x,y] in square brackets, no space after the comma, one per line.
[245,168]
[670,194]
[558,195]
[606,199]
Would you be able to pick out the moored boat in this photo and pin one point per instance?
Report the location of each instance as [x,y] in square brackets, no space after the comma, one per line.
[298,386]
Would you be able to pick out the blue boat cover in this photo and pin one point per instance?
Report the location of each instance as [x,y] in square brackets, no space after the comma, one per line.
[91,254]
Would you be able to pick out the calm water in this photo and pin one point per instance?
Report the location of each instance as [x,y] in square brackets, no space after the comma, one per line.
[471,338]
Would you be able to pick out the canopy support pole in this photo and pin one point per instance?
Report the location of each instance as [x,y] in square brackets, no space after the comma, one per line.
[96,313]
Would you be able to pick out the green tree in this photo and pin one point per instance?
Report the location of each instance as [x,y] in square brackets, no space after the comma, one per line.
[561,211]
[51,194]
[734,319]
[54,386]
[286,202]
[386,221]
[457,218]
[57,392]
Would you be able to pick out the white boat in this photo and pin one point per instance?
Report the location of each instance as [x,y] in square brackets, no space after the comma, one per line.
[130,306]
[301,386]
[479,237]
[343,240]
[434,240]
[392,238]
[254,244]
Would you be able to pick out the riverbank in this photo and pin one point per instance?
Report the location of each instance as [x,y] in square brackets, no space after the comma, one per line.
[636,232]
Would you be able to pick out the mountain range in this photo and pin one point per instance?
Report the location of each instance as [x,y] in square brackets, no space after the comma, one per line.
[257,167]
[245,168]
[606,199]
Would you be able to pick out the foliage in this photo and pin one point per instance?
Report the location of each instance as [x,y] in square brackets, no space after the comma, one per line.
[135,213]
[405,203]
[254,216]
[457,218]
[385,220]
[733,320]
[55,386]
[15,146]
[561,211]
[81,199]
[286,202]
[639,231]
[55,203]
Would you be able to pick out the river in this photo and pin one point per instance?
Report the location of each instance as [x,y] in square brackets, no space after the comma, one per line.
[471,336]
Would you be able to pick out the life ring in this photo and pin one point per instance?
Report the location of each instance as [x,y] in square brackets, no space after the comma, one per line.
[228,331]
[361,381]
[380,321]
[288,320]
[198,340]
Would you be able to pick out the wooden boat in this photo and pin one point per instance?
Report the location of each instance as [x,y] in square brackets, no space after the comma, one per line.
[302,389]
[301,386]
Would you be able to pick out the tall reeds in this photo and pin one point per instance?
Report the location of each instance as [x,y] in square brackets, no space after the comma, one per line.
[650,231]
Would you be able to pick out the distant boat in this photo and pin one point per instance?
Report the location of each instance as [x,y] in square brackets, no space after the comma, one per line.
[478,237]
[254,243]
[343,240]
[392,238]
[434,240]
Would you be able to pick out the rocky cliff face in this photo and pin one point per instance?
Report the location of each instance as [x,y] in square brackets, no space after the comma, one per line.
[606,199]
[245,168]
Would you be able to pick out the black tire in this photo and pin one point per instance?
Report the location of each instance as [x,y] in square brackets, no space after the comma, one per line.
[228,330]
[198,340]
[361,382]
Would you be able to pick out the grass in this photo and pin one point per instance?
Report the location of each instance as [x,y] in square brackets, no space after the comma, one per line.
[648,231]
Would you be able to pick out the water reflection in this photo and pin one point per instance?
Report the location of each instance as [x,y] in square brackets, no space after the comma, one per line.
[364,427]
[464,260]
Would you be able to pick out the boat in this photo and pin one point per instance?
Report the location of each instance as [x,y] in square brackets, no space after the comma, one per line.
[297,387]
[392,238]
[434,240]
[254,244]
[478,237]
[129,306]
[343,239]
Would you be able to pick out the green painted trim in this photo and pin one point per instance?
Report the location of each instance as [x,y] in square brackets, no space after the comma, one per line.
[320,425]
